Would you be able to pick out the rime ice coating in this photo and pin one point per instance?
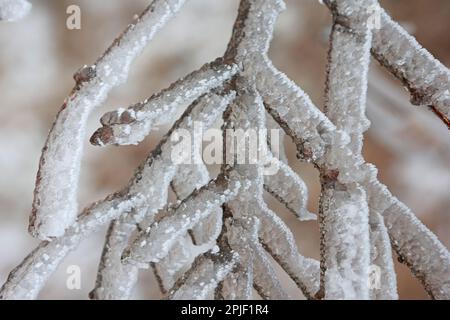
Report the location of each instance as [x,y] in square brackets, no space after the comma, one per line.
[344,212]
[155,242]
[209,272]
[132,125]
[55,196]
[26,281]
[243,238]
[383,279]
[288,188]
[427,79]
[115,280]
[360,219]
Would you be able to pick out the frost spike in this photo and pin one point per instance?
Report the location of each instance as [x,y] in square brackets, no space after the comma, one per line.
[55,195]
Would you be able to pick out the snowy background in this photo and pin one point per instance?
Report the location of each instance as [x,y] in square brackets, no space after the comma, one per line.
[38,56]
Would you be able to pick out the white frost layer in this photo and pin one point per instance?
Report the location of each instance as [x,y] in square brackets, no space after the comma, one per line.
[383,280]
[206,274]
[287,187]
[243,238]
[346,243]
[55,202]
[115,281]
[132,125]
[156,241]
[13,10]
[421,250]
[427,78]
[172,266]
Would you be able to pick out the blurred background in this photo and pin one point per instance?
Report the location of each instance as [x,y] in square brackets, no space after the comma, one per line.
[38,56]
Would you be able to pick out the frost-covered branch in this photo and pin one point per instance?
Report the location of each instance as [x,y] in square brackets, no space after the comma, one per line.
[414,243]
[344,214]
[243,238]
[27,279]
[359,218]
[155,242]
[55,195]
[132,125]
[381,260]
[426,78]
[274,234]
[159,168]
[13,10]
[290,190]
[207,272]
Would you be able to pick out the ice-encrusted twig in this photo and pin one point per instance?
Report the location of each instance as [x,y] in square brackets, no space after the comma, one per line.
[132,125]
[344,213]
[189,178]
[415,245]
[157,167]
[55,196]
[279,241]
[155,242]
[173,265]
[276,141]
[160,168]
[243,237]
[13,10]
[382,277]
[426,78]
[207,272]
[274,234]
[114,280]
[27,279]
